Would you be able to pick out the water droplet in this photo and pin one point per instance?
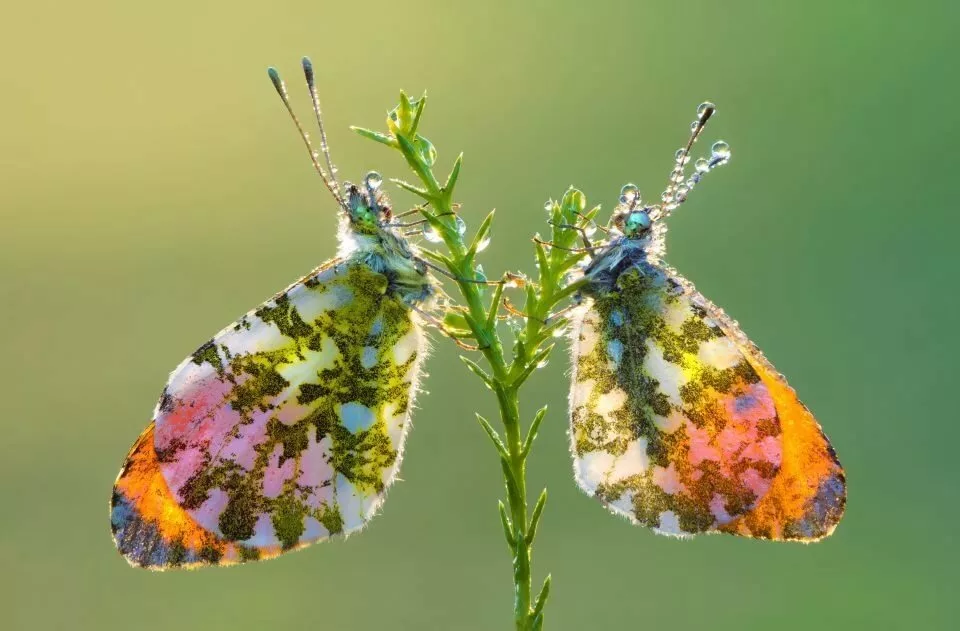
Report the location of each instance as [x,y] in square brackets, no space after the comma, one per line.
[431,235]
[548,205]
[676,178]
[691,182]
[428,153]
[630,194]
[483,243]
[461,226]
[682,157]
[682,193]
[590,228]
[667,196]
[374,180]
[703,107]
[543,363]
[720,150]
[702,165]
[694,125]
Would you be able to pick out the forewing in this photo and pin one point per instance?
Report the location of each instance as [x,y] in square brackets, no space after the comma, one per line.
[671,425]
[284,429]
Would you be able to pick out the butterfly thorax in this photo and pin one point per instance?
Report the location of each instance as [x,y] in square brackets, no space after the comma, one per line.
[368,238]
[389,254]
[618,256]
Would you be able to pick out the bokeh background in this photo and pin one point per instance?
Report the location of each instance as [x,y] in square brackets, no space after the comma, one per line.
[153,190]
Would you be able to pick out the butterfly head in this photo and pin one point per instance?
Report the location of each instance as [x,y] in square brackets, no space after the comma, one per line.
[635,223]
[367,207]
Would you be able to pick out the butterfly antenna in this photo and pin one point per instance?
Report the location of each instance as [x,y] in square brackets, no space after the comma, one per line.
[282,91]
[315,99]
[679,185]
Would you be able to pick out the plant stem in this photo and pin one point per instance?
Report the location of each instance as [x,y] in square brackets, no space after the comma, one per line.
[530,349]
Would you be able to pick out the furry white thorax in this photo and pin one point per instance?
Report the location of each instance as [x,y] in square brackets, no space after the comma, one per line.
[387,253]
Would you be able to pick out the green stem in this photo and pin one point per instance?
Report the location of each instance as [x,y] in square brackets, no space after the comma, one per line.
[517,497]
[506,378]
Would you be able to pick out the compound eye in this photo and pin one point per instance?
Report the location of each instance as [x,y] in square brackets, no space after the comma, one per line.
[638,221]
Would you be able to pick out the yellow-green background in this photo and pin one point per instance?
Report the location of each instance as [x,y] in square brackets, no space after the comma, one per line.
[152,190]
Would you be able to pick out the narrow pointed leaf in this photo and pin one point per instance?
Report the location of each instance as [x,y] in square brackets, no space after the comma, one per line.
[376,136]
[482,233]
[532,432]
[436,257]
[478,371]
[535,517]
[507,526]
[416,190]
[453,177]
[542,597]
[534,363]
[418,114]
[494,307]
[542,262]
[494,437]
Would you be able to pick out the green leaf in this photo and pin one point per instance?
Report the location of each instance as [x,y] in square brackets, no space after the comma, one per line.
[421,103]
[511,482]
[494,437]
[532,432]
[531,302]
[482,233]
[537,615]
[436,257]
[542,263]
[570,289]
[538,359]
[535,517]
[376,136]
[590,214]
[573,203]
[453,177]
[413,189]
[478,371]
[491,323]
[456,320]
[507,526]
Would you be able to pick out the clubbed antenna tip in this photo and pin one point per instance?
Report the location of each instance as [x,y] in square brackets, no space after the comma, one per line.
[277,81]
[307,69]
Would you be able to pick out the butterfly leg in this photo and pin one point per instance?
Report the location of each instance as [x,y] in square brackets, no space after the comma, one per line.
[444,330]
[461,279]
[583,233]
[588,249]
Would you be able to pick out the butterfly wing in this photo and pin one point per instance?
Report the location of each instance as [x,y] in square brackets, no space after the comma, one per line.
[674,422]
[283,430]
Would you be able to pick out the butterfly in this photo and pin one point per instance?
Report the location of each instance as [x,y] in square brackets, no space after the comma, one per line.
[287,427]
[677,420]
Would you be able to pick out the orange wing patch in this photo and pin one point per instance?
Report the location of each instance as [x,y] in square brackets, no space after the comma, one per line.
[808,494]
[153,531]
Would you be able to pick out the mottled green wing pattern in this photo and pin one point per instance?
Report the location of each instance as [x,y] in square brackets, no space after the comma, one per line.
[284,429]
[670,424]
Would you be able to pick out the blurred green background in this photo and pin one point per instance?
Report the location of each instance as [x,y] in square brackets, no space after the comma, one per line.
[153,190]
